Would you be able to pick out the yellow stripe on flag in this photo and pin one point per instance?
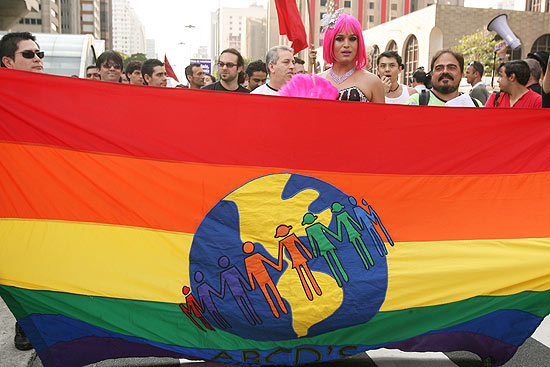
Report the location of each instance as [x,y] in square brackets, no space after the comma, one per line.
[144,264]
[433,273]
[94,259]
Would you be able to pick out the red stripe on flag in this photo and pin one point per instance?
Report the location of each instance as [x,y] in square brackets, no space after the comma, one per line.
[264,131]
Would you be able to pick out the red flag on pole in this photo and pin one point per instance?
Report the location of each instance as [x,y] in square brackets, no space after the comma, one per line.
[290,23]
[169,71]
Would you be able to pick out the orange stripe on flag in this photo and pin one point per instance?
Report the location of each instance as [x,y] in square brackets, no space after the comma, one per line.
[91,187]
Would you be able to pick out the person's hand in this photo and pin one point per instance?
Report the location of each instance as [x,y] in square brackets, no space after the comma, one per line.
[500,49]
[386,82]
[312,55]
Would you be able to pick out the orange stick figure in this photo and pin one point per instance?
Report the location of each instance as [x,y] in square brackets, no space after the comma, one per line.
[298,260]
[191,305]
[256,270]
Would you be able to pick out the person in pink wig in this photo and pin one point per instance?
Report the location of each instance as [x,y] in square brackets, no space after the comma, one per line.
[344,48]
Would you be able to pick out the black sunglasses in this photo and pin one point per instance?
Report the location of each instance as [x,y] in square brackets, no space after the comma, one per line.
[110,64]
[28,54]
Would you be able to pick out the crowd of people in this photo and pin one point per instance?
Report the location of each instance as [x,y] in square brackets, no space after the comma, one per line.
[522,83]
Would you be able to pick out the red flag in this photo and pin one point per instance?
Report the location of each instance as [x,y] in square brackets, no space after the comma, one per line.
[169,71]
[290,23]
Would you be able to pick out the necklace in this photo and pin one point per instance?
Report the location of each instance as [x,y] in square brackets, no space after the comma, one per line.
[396,88]
[340,79]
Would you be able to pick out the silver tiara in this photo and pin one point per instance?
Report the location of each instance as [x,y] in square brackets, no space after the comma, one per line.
[329,20]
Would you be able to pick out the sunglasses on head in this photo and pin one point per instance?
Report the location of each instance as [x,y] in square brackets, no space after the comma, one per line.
[28,54]
[111,64]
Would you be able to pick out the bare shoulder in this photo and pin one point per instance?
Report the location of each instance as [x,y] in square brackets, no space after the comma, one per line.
[371,86]
[412,91]
[368,76]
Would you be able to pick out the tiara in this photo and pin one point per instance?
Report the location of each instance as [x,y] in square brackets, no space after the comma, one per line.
[329,20]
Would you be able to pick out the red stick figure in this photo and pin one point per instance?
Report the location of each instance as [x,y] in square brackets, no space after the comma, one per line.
[298,260]
[256,270]
[191,305]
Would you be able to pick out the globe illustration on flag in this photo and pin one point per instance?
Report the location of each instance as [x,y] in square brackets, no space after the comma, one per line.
[287,256]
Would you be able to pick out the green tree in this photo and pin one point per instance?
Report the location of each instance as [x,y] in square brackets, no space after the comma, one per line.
[479,46]
[126,59]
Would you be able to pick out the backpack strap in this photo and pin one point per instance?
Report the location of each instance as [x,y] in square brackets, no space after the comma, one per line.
[496,102]
[424,97]
[475,101]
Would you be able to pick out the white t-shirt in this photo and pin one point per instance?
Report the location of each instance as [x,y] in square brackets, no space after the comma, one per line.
[265,89]
[402,99]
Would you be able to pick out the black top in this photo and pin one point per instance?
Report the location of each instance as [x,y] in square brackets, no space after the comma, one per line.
[218,86]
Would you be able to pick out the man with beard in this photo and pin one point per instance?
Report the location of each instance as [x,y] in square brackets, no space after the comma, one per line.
[230,65]
[447,69]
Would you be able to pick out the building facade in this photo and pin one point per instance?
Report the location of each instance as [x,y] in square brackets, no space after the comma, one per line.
[83,17]
[105,9]
[419,35]
[128,32]
[47,19]
[229,27]
[11,11]
[538,5]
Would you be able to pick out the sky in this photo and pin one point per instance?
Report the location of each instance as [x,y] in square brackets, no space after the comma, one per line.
[165,21]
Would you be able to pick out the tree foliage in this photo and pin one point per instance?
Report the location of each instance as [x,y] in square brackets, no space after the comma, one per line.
[126,59]
[479,46]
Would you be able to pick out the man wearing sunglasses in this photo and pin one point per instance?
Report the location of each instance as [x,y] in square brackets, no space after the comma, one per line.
[230,65]
[109,64]
[19,50]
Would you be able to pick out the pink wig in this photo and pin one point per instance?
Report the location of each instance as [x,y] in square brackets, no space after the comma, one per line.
[345,24]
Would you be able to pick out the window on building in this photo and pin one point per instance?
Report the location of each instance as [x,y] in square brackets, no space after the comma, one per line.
[87,17]
[87,7]
[39,21]
[33,21]
[53,27]
[371,19]
[347,4]
[414,5]
[371,5]
[394,7]
[542,44]
[533,5]
[411,58]
[22,21]
[53,13]
[392,46]
[323,2]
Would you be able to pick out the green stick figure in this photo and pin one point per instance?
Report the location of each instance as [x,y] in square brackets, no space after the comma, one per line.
[345,221]
[316,234]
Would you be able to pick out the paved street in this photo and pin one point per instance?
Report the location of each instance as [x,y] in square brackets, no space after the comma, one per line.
[534,353]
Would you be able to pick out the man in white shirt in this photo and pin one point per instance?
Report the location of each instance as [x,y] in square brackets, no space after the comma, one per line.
[280,65]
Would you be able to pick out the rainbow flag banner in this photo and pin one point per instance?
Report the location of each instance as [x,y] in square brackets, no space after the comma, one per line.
[256,230]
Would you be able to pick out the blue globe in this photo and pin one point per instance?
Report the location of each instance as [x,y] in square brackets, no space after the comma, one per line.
[287,256]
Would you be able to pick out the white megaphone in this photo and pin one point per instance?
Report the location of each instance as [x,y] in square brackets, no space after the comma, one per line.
[500,25]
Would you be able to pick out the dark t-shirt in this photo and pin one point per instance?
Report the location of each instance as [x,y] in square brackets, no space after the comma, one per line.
[218,86]
[545,100]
